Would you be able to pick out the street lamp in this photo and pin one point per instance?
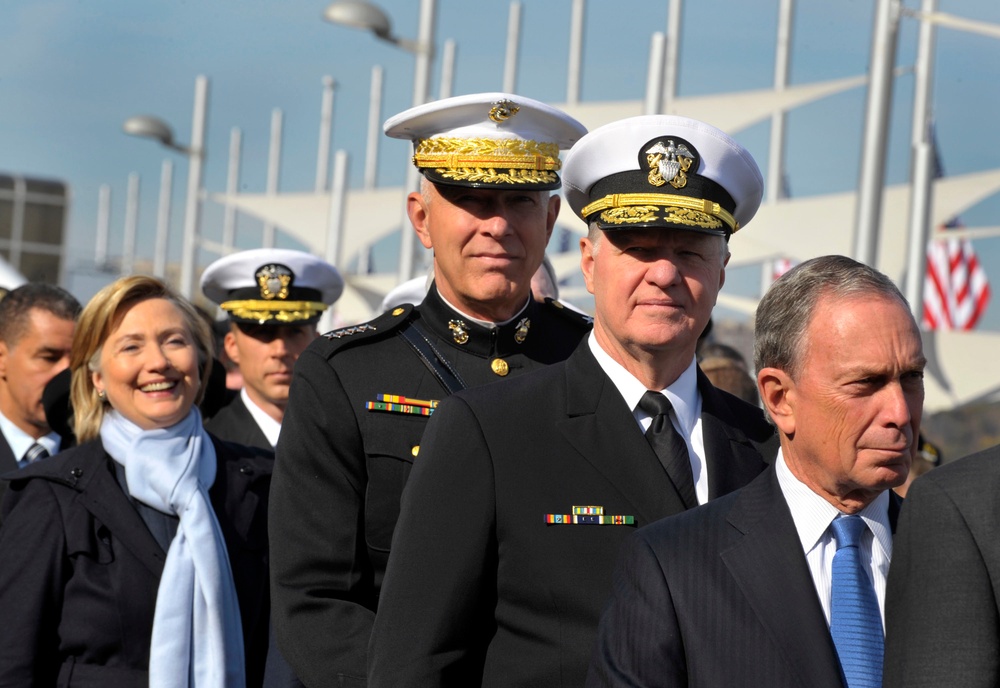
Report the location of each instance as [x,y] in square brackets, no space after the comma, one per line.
[360,14]
[155,128]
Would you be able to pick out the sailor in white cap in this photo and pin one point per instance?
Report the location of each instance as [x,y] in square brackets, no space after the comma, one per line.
[273,298]
[525,490]
[362,395]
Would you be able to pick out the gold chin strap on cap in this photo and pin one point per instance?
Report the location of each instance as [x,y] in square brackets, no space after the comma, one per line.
[634,208]
[282,311]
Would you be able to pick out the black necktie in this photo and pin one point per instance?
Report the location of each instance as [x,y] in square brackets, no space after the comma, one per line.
[669,446]
[34,453]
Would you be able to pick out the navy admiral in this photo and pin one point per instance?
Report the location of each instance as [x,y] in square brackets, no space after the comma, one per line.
[511,521]
[273,298]
[361,396]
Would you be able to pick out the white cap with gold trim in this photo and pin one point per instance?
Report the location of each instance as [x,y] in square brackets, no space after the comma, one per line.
[663,171]
[272,286]
[487,140]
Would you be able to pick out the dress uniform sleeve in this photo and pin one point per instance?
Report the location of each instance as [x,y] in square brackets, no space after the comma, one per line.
[638,641]
[942,625]
[321,583]
[436,613]
[32,567]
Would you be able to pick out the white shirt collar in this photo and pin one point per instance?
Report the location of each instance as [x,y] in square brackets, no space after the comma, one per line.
[682,392]
[813,515]
[19,441]
[269,426]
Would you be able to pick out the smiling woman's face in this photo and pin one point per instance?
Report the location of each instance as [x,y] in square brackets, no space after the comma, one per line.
[149,366]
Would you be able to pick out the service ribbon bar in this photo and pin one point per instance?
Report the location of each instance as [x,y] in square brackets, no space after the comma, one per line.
[413,409]
[406,401]
[598,519]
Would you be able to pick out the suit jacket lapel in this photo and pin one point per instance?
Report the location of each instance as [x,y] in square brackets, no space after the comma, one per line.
[601,428]
[732,459]
[101,495]
[8,462]
[770,568]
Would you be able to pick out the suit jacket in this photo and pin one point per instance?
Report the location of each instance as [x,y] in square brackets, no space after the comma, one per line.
[942,609]
[341,466]
[8,464]
[80,569]
[480,588]
[718,596]
[233,423]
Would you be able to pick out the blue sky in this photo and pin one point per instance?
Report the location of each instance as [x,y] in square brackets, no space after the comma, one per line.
[71,71]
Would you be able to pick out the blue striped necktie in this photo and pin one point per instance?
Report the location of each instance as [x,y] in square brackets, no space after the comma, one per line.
[34,453]
[855,621]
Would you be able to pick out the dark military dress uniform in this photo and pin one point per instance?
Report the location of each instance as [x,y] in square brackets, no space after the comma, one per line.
[359,403]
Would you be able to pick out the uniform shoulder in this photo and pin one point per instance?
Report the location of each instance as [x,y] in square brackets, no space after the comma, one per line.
[329,343]
[567,314]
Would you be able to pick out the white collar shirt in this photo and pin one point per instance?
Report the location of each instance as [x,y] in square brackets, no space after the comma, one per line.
[684,398]
[19,441]
[269,426]
[813,516]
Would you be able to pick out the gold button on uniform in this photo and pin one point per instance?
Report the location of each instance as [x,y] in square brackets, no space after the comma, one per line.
[398,311]
[500,367]
[415,450]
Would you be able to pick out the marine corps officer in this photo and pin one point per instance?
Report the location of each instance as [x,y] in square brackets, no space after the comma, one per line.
[526,489]
[361,396]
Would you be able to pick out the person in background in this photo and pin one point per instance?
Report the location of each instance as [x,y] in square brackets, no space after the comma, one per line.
[782,583]
[36,331]
[361,395]
[138,557]
[273,298]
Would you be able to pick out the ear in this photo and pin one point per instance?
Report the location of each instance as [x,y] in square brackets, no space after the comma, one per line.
[725,262]
[96,379]
[777,394]
[3,360]
[587,262]
[418,212]
[553,213]
[230,347]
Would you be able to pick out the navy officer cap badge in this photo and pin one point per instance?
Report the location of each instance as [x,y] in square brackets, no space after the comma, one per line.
[488,140]
[662,171]
[272,286]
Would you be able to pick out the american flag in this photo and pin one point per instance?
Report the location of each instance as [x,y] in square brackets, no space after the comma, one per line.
[956,290]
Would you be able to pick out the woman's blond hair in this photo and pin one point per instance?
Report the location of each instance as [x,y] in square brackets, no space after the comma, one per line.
[98,320]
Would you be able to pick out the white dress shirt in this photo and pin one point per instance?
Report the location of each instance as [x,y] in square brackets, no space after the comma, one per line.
[19,441]
[684,398]
[813,515]
[269,426]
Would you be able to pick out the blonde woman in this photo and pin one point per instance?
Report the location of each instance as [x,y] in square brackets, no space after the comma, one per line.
[138,557]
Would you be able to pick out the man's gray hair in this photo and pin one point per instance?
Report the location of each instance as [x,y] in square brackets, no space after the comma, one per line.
[783,315]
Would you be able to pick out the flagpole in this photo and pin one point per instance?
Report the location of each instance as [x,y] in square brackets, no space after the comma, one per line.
[924,164]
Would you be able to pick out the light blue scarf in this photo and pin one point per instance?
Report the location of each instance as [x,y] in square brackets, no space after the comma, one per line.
[197,638]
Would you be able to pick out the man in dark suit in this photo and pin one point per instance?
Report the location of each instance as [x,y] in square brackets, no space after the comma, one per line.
[273,298]
[781,584]
[942,609]
[525,490]
[36,334]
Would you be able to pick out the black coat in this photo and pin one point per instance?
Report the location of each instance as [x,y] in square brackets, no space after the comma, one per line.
[942,599]
[233,423]
[80,570]
[480,589]
[8,464]
[718,596]
[340,468]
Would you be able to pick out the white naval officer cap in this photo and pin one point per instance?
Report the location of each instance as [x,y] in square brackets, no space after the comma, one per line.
[487,140]
[662,171]
[272,286]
